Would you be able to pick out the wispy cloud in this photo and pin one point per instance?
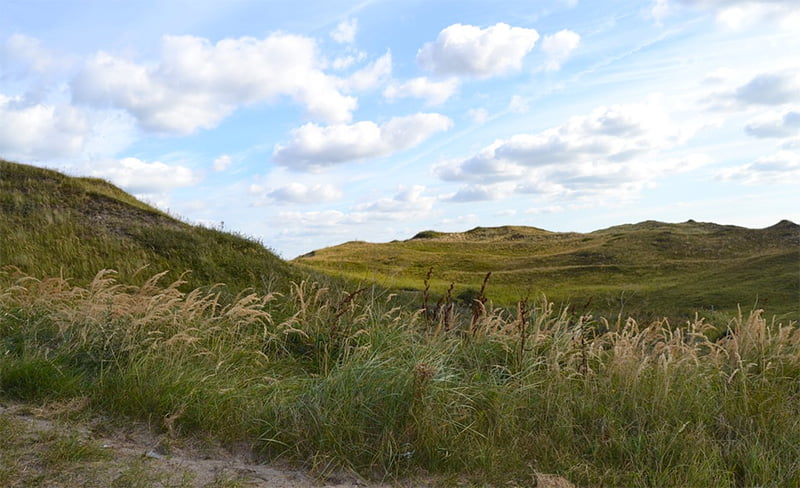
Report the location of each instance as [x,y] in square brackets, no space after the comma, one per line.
[433,92]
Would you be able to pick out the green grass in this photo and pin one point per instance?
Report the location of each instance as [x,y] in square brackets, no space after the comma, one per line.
[330,379]
[649,270]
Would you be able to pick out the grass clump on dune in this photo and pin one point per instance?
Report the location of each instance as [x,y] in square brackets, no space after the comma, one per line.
[336,379]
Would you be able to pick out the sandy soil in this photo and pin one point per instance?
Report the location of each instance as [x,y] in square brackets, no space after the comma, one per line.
[105,454]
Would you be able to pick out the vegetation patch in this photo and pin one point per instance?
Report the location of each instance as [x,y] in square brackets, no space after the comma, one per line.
[335,380]
[648,270]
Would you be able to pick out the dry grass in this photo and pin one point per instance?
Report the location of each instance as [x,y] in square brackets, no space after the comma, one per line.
[353,380]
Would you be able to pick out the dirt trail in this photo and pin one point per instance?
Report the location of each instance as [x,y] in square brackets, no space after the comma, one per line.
[57,446]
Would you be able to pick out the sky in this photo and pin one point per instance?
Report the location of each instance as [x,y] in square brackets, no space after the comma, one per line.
[306,124]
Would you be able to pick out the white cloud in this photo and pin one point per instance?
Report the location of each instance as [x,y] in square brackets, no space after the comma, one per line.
[558,48]
[518,104]
[434,92]
[196,83]
[222,163]
[24,54]
[660,9]
[721,76]
[313,219]
[40,131]
[612,147]
[459,222]
[408,203]
[737,14]
[478,115]
[469,50]
[548,209]
[374,74]
[345,31]
[781,125]
[742,89]
[770,89]
[782,167]
[305,194]
[791,144]
[141,177]
[313,147]
[479,193]
[344,62]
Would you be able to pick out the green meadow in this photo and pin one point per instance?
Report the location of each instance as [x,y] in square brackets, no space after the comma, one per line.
[648,270]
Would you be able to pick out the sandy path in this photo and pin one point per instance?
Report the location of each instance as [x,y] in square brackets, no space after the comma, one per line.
[131,456]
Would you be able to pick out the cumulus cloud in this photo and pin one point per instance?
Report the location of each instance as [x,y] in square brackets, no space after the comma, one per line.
[783,125]
[345,31]
[782,167]
[433,92]
[145,178]
[469,50]
[304,194]
[40,131]
[196,83]
[559,47]
[313,146]
[611,147]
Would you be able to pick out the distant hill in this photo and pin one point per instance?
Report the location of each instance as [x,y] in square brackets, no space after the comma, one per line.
[52,224]
[646,269]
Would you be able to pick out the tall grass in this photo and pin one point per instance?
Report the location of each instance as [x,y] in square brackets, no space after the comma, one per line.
[336,379]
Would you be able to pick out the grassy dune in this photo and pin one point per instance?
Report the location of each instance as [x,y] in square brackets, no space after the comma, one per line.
[52,224]
[648,270]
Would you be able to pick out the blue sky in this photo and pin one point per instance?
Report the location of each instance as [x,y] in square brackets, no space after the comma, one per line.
[308,124]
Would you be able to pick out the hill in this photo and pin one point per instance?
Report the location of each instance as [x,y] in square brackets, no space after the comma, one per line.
[646,269]
[56,225]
